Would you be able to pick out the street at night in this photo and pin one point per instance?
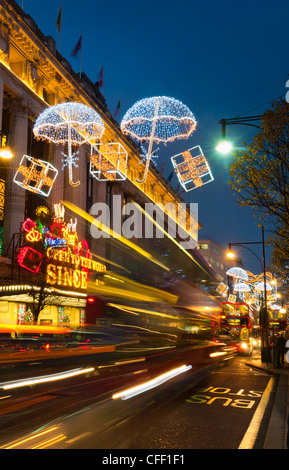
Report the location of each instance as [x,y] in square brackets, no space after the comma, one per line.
[198,411]
[144,221]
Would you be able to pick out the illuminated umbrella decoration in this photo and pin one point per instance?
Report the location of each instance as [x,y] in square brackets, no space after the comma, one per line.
[259,287]
[241,287]
[158,119]
[71,123]
[238,273]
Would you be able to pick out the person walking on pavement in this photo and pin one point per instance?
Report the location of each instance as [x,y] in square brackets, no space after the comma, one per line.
[280,350]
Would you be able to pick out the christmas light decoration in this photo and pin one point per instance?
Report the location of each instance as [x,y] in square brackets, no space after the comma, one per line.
[158,119]
[33,236]
[241,287]
[69,261]
[28,225]
[238,273]
[192,168]
[222,289]
[35,175]
[108,161]
[259,287]
[30,259]
[42,211]
[72,124]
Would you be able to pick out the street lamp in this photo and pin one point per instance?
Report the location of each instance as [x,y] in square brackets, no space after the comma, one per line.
[5,150]
[263,310]
[224,145]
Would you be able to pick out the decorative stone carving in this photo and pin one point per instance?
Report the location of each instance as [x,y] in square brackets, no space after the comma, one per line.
[4,43]
[32,73]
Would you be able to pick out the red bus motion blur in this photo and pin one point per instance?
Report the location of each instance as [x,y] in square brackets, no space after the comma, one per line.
[236,326]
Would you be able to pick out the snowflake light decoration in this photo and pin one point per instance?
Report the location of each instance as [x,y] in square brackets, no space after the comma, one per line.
[192,168]
[71,123]
[158,119]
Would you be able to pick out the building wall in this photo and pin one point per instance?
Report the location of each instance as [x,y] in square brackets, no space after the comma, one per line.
[34,76]
[215,255]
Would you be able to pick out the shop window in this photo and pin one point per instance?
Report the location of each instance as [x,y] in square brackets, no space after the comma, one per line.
[21,314]
[63,317]
[82,317]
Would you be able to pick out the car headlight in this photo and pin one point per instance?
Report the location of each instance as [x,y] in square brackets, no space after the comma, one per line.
[244,345]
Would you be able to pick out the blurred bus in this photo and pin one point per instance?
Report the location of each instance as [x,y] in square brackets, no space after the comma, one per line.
[236,324]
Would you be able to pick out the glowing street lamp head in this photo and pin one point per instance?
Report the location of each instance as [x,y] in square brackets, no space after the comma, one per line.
[6,152]
[224,146]
[230,255]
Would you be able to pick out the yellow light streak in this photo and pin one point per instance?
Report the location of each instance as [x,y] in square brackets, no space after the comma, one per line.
[44,379]
[132,290]
[49,442]
[142,310]
[131,392]
[168,235]
[121,293]
[216,354]
[113,234]
[19,442]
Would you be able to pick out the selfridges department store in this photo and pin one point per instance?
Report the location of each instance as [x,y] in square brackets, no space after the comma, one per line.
[43,174]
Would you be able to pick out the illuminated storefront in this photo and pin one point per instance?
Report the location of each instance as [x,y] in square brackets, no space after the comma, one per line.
[55,259]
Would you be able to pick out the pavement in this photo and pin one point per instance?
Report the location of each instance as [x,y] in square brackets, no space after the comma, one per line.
[277,436]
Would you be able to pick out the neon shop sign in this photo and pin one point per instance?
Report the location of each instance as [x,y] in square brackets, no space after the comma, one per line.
[68,260]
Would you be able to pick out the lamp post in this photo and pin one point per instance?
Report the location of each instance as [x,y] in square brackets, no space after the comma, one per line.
[263,311]
[225,146]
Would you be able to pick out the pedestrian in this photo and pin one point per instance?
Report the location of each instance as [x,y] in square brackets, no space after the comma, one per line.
[281,350]
[287,351]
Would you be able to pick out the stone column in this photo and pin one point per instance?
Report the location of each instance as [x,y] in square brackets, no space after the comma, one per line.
[1,97]
[15,195]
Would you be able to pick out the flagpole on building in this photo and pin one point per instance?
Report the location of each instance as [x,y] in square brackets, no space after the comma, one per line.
[58,24]
[117,111]
[80,64]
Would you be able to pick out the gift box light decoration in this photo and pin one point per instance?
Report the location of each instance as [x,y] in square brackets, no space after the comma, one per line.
[159,119]
[192,168]
[108,161]
[71,124]
[35,175]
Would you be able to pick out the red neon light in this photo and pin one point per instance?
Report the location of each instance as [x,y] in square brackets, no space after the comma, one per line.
[30,259]
[28,225]
[90,299]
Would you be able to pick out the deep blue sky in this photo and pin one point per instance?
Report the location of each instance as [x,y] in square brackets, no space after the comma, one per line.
[221,58]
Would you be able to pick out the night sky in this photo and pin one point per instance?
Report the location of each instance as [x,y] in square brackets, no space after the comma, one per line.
[220,58]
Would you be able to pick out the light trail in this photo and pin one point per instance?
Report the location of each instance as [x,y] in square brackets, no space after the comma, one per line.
[131,392]
[44,379]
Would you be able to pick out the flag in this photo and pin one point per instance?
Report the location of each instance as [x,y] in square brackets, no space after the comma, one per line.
[170,176]
[77,47]
[58,22]
[117,109]
[100,80]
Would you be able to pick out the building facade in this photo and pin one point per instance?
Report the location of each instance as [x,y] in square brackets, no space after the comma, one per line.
[33,77]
